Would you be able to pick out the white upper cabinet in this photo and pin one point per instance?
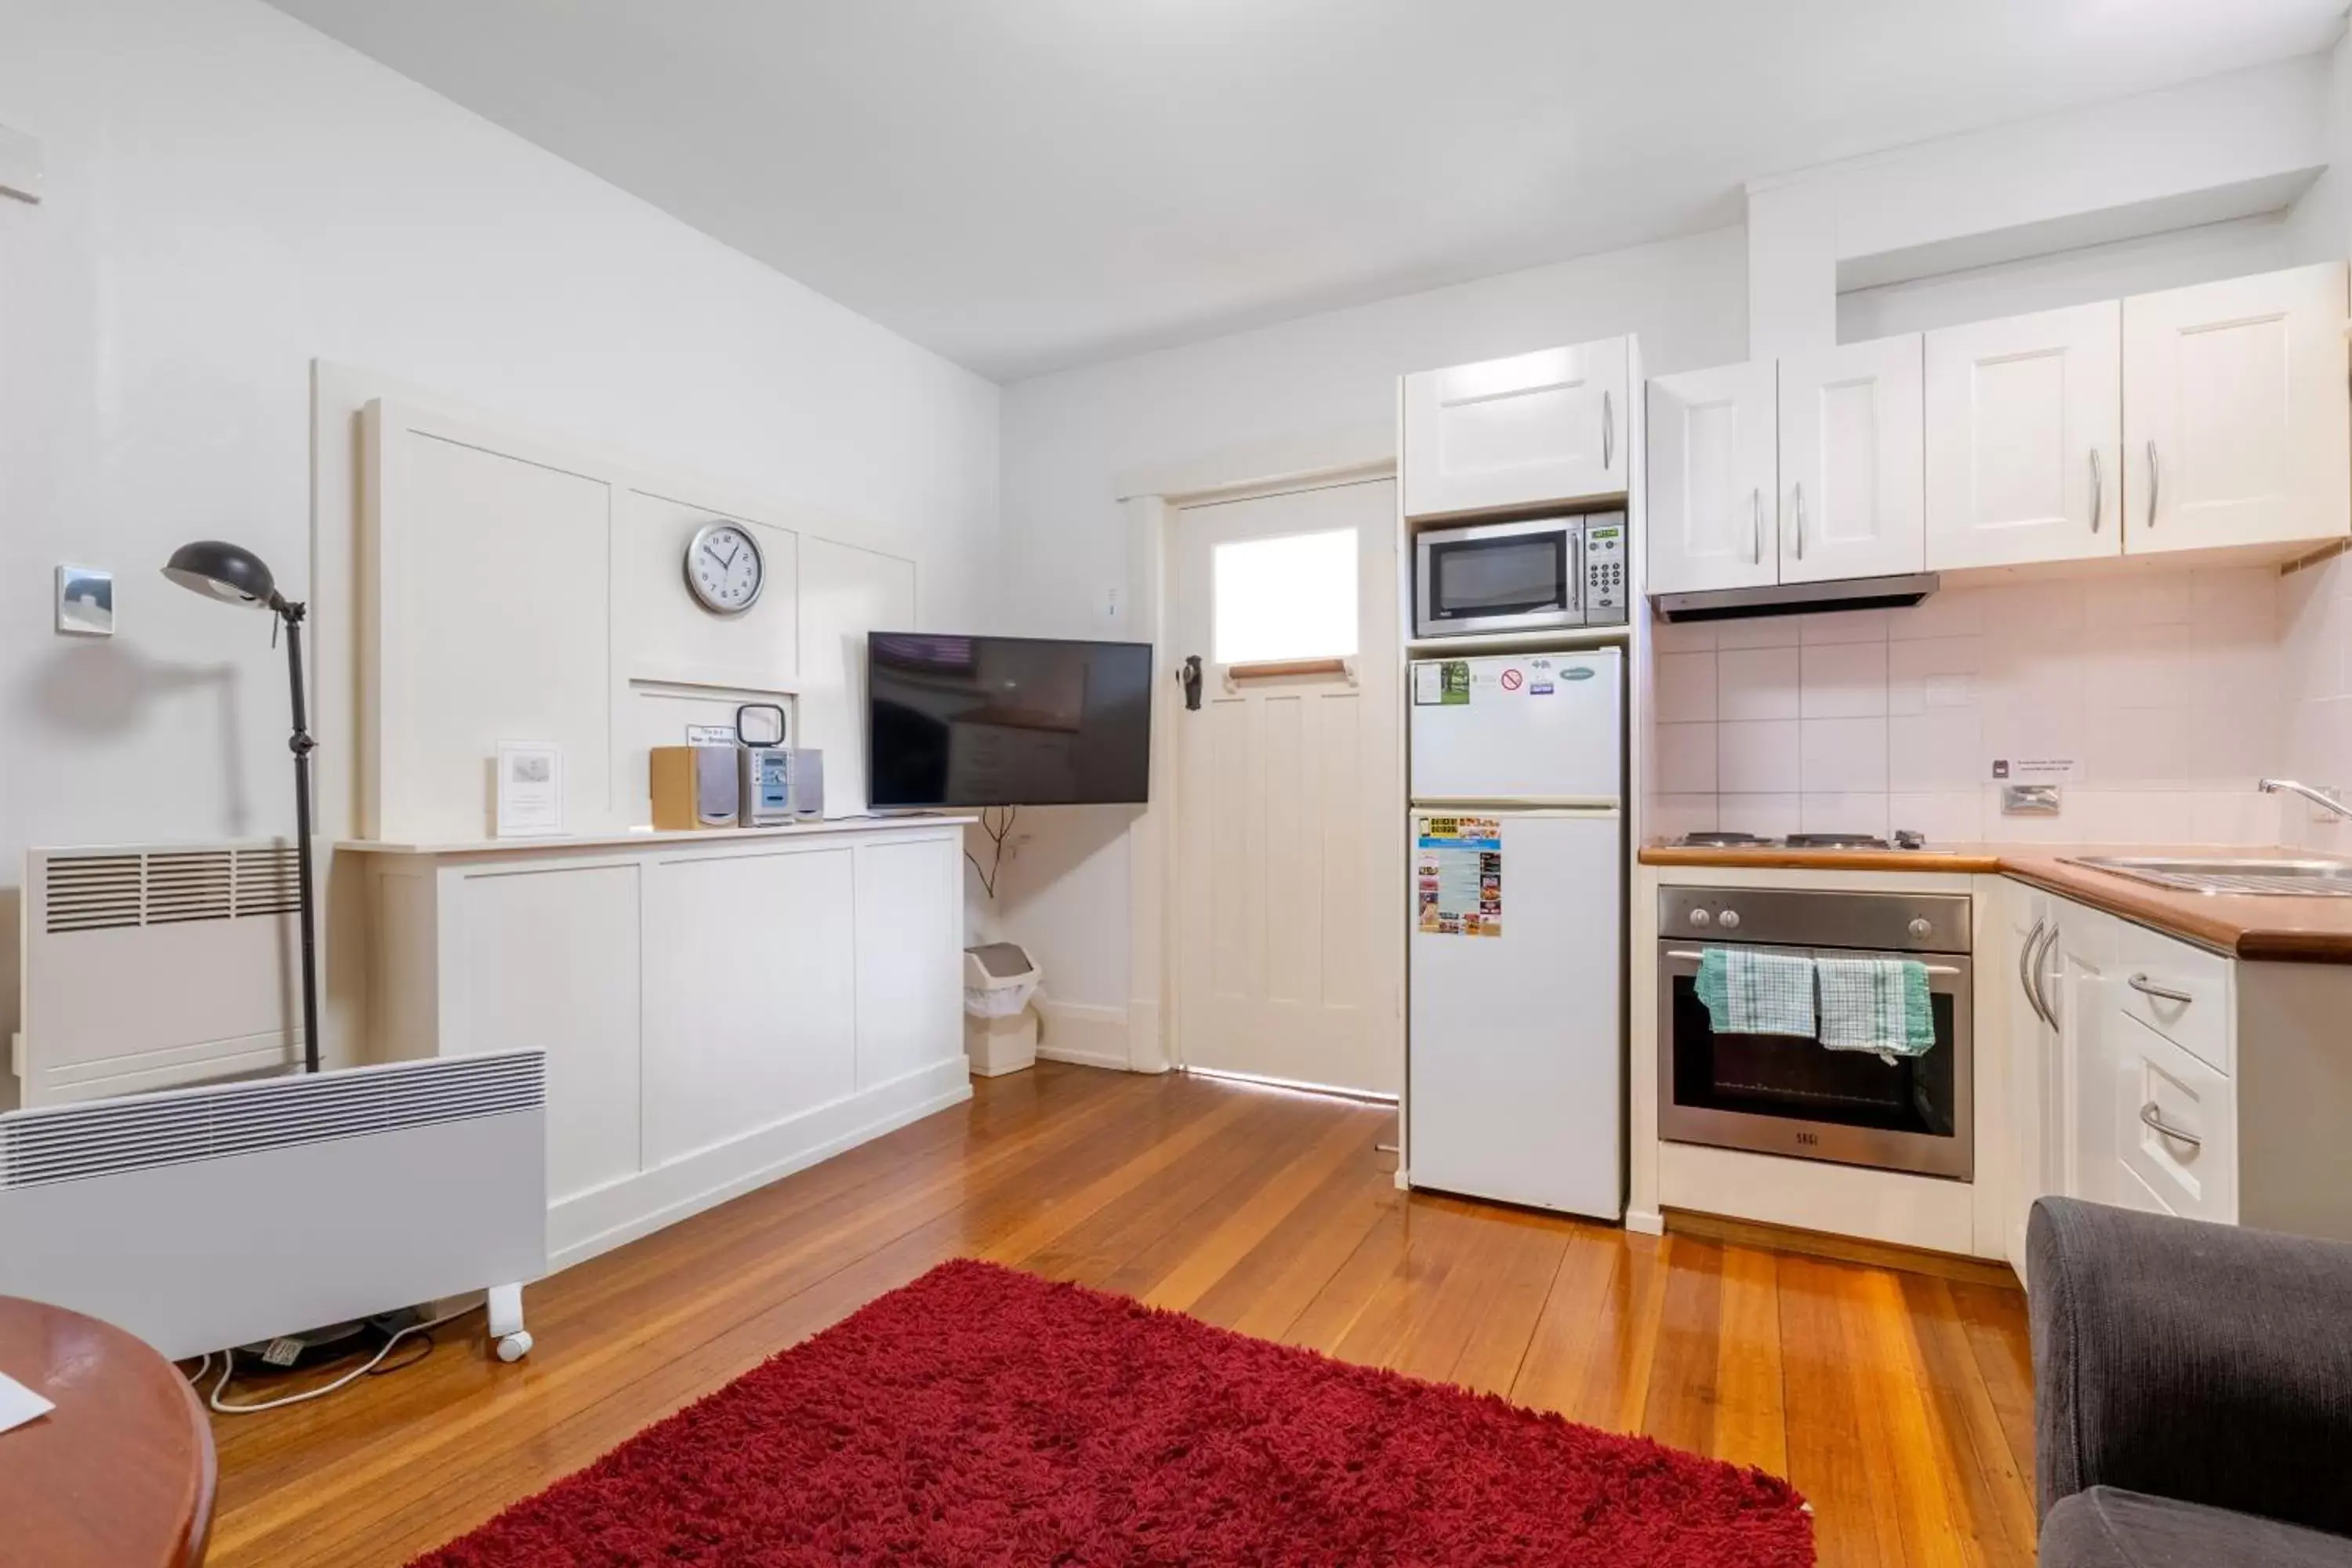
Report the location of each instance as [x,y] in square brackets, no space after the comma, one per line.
[2024,437]
[2235,423]
[1714,503]
[1507,433]
[1853,478]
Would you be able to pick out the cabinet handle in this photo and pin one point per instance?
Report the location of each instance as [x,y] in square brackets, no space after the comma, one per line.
[2041,1003]
[1756,527]
[2155,1123]
[2151,484]
[2025,969]
[1608,431]
[2098,490]
[1801,519]
[2139,982]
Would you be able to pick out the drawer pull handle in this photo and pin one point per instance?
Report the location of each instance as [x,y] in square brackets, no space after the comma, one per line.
[2147,1115]
[2139,982]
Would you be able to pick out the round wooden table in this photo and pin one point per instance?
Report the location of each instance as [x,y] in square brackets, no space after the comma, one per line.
[120,1475]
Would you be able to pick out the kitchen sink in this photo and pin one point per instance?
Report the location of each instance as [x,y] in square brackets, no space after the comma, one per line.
[2307,879]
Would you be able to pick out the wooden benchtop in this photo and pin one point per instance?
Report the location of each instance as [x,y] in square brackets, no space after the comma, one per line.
[2272,927]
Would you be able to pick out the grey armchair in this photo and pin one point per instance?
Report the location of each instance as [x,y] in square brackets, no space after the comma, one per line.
[2192,1392]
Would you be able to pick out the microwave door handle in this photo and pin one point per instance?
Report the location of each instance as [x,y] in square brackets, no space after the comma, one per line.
[1608,432]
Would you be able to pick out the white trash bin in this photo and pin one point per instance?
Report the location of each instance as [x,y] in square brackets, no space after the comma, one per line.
[1000,1027]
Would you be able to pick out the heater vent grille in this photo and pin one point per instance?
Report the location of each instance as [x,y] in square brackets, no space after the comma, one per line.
[109,1137]
[111,888]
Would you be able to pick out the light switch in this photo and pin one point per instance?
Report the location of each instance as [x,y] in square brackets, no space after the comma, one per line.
[20,165]
[85,602]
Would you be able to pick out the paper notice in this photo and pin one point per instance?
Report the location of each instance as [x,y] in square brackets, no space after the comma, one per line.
[1458,876]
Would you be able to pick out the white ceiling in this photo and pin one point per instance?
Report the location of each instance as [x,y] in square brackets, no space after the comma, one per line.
[1025,185]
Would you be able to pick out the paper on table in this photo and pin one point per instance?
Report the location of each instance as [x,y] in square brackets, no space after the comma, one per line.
[18,1404]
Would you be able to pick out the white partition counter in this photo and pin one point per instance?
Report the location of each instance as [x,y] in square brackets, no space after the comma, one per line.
[719,1008]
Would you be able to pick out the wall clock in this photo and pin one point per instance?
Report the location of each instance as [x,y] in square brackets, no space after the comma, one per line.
[724,568]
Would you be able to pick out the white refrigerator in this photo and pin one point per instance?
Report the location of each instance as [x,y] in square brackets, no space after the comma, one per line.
[1515,1054]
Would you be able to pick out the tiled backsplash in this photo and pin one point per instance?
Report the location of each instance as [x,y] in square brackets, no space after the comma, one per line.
[2168,684]
[2315,637]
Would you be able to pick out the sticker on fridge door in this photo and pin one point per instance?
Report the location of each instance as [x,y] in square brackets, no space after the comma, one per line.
[1455,682]
[1458,876]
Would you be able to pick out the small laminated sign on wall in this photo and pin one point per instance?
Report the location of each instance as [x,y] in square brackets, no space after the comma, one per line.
[1458,876]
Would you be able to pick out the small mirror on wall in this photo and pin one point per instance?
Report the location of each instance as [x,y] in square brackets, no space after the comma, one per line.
[85,602]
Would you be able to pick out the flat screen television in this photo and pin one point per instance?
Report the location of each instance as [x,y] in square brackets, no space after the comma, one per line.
[975,721]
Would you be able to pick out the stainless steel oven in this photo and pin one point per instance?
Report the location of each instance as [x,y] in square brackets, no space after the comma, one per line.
[1783,1094]
[1521,576]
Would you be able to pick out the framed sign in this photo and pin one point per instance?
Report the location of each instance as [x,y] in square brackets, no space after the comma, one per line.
[531,789]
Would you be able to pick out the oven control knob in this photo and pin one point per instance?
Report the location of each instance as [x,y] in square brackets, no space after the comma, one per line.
[1698,917]
[1920,928]
[1728,919]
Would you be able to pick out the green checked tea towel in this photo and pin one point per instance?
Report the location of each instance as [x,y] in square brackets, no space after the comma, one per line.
[1876,1005]
[1750,993]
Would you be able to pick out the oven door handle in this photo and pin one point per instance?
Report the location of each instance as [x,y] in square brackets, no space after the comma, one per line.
[1930,968]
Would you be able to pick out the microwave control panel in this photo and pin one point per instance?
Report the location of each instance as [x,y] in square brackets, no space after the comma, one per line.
[1605,573]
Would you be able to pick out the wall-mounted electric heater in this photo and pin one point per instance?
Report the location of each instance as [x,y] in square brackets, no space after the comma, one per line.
[215,1216]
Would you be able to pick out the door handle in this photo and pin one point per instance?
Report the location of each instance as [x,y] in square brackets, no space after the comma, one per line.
[2154,1120]
[1801,519]
[1190,675]
[1608,431]
[1756,527]
[2098,490]
[2151,484]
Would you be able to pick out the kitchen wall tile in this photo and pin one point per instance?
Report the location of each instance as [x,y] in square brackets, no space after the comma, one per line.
[1758,631]
[2235,817]
[1686,759]
[2035,611]
[1671,816]
[2235,742]
[2140,597]
[1940,751]
[1771,815]
[1946,817]
[1759,758]
[1682,636]
[2237,598]
[1843,680]
[1758,683]
[1933,673]
[1947,613]
[1842,755]
[2136,667]
[1855,813]
[2131,816]
[2135,747]
[1686,686]
[1843,625]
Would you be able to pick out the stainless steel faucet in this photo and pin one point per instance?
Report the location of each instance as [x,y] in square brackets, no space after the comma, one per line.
[2316,796]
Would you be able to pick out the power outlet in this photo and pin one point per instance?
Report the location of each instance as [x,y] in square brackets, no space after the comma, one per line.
[1111,604]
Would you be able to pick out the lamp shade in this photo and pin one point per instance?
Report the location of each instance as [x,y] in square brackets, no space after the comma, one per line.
[227,572]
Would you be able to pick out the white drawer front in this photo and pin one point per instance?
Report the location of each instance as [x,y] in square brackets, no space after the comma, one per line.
[2180,992]
[2157,1081]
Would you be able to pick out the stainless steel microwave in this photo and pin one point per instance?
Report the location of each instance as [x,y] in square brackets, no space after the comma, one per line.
[1521,576]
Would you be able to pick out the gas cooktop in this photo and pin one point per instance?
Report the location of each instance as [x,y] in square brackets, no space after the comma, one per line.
[1725,841]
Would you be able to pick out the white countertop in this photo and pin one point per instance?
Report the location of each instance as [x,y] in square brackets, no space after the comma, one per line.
[629,837]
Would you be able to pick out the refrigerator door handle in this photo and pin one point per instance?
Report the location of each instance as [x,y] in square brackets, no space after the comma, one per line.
[1519,805]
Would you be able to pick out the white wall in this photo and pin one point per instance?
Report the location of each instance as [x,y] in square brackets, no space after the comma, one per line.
[230,195]
[1071,440]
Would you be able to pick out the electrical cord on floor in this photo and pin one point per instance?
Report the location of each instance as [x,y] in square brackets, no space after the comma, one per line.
[228,1370]
[996,836]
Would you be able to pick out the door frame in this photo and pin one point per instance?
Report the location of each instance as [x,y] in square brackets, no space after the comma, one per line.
[1151,525]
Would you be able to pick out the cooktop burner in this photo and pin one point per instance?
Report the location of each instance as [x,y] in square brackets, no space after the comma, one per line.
[1834,841]
[1726,839]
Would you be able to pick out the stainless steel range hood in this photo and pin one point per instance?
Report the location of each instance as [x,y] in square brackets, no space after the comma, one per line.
[1796,598]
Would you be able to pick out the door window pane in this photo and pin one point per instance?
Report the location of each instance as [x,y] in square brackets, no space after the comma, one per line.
[1292,597]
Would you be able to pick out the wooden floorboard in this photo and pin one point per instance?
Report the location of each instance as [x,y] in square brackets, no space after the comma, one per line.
[1900,1402]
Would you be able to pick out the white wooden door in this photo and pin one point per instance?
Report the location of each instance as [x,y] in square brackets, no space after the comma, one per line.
[1290,888]
[2024,438]
[1853,480]
[2234,413]
[1507,433]
[1714,470]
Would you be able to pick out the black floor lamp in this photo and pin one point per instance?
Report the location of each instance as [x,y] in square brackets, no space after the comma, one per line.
[236,575]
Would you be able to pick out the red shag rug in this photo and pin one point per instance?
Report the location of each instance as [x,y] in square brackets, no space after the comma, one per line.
[985,1416]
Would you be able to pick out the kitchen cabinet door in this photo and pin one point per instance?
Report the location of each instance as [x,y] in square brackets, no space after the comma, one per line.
[2024,438]
[2235,415]
[1714,471]
[1506,435]
[2089,954]
[2026,1070]
[1852,473]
